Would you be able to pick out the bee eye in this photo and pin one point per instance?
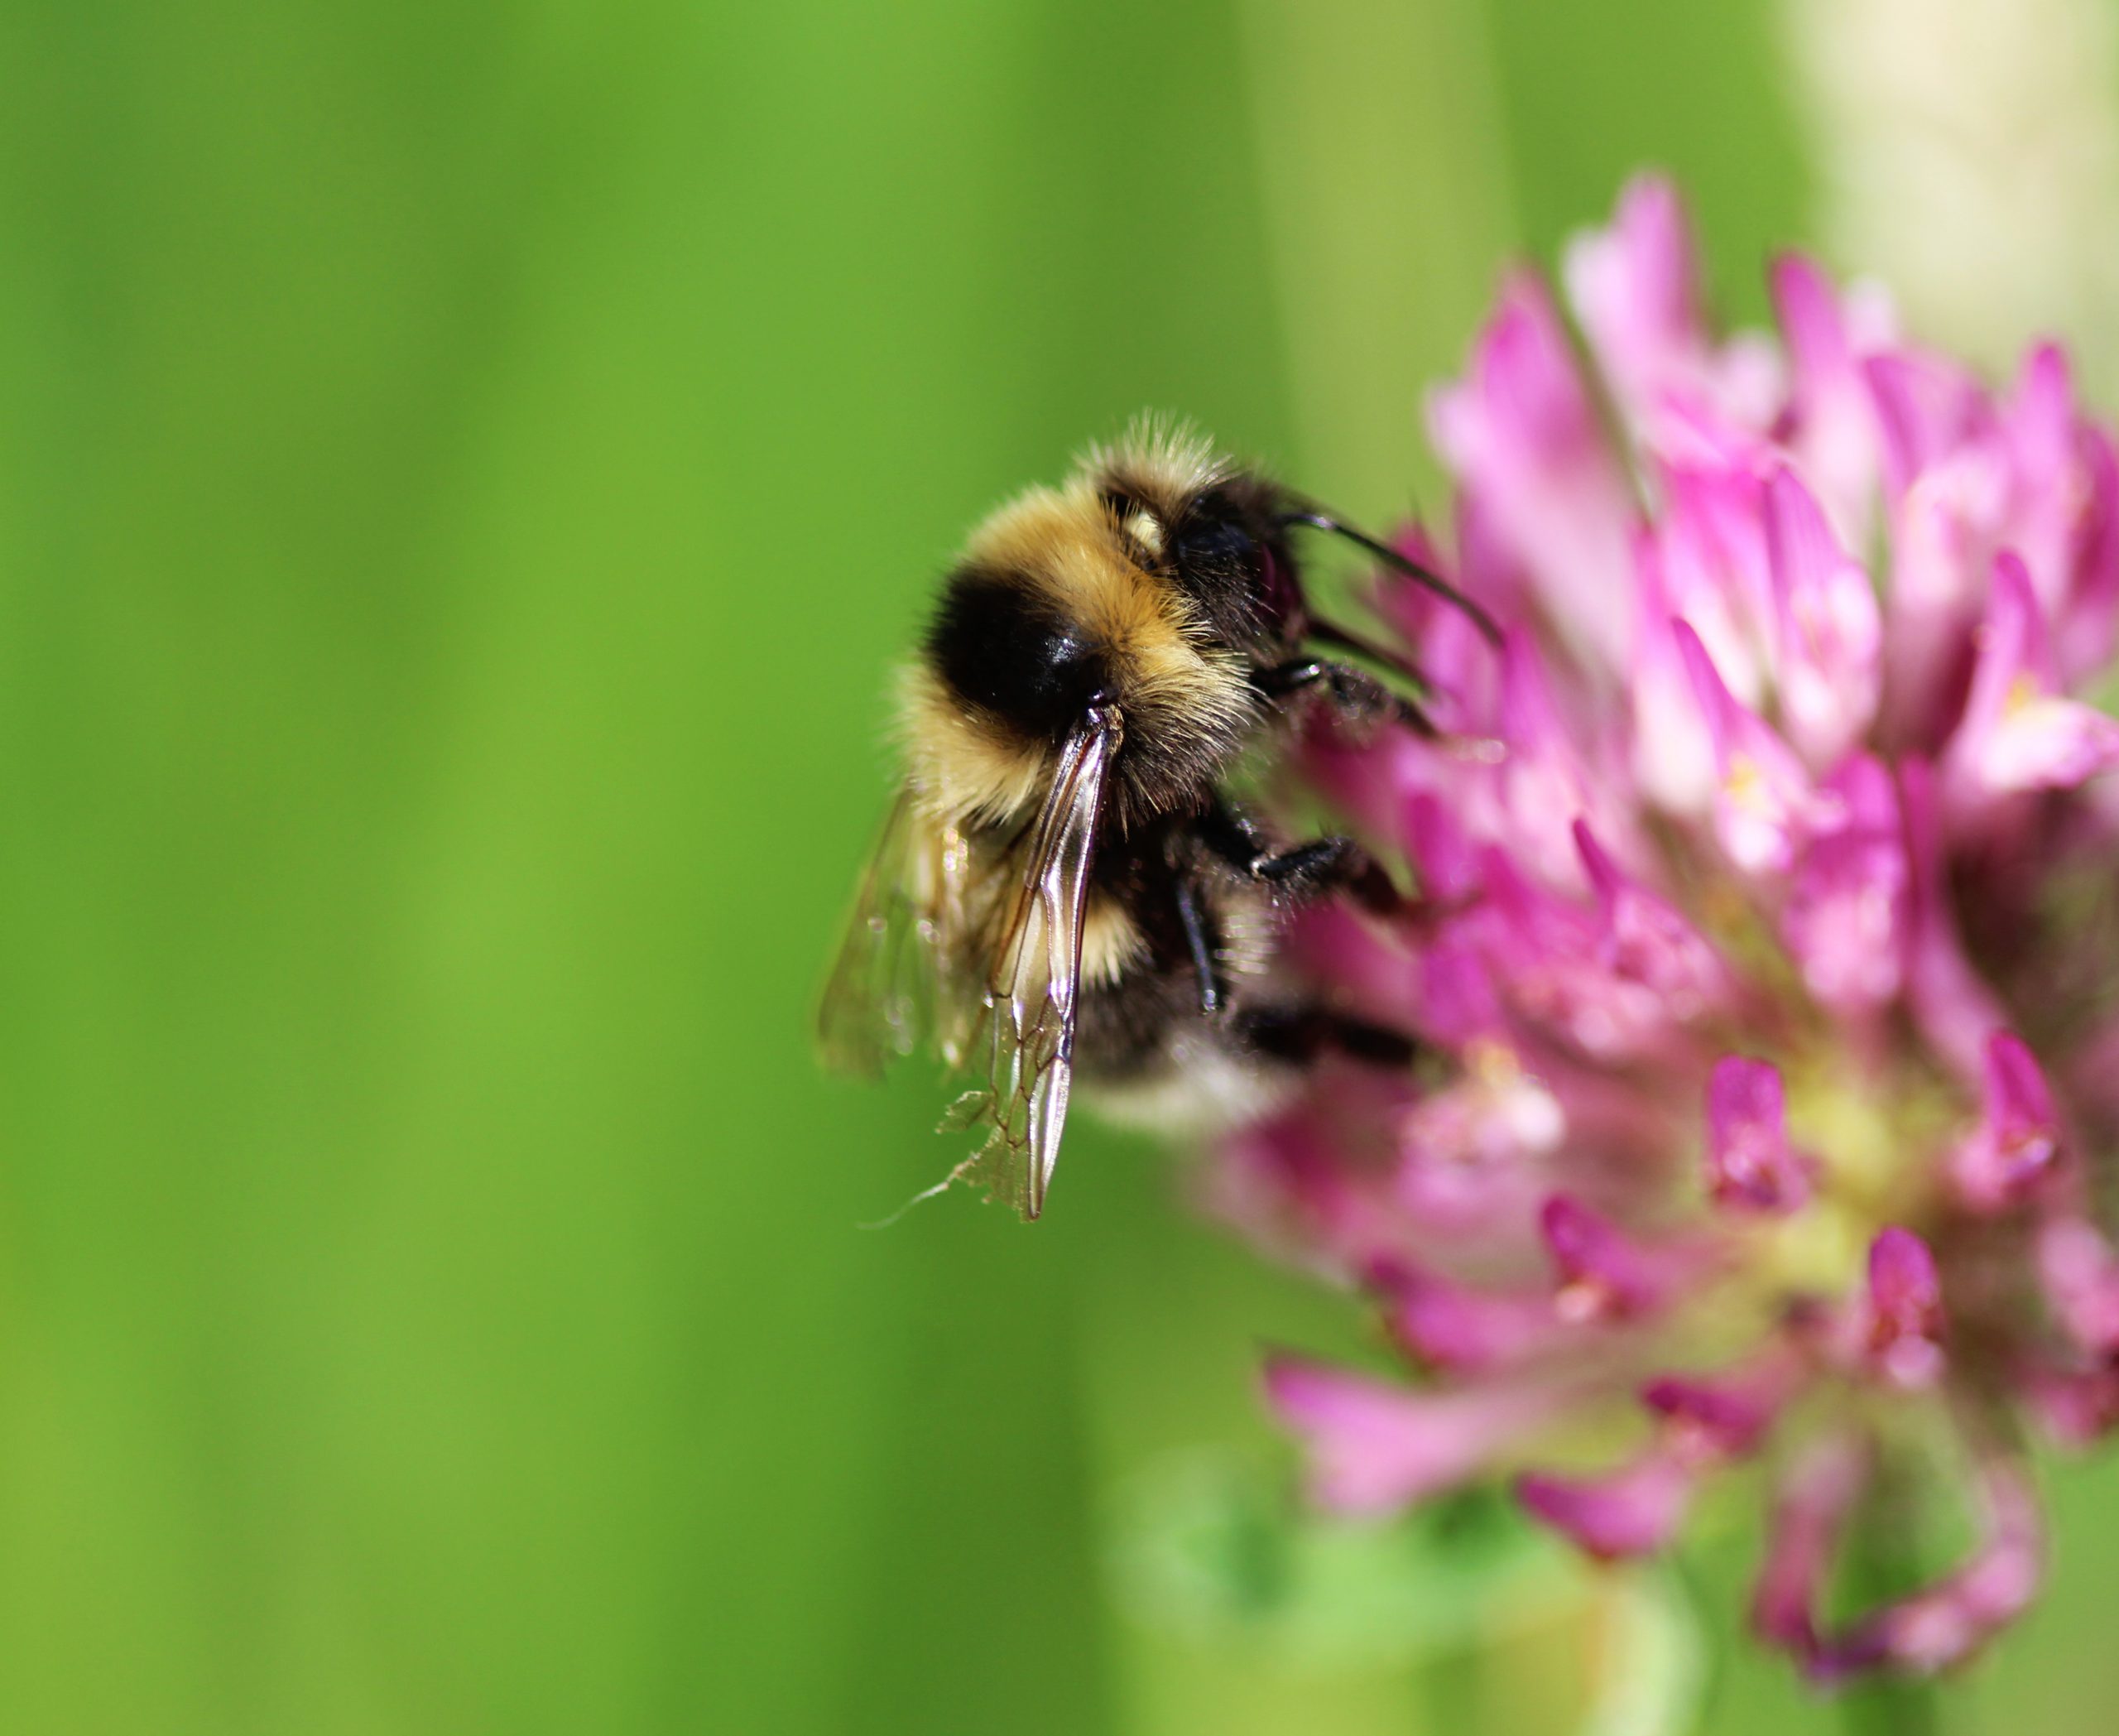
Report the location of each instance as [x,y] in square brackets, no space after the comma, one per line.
[1215,545]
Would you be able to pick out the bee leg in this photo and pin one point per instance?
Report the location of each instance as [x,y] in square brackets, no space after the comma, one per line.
[1305,871]
[1200,944]
[1330,632]
[1301,1034]
[1355,694]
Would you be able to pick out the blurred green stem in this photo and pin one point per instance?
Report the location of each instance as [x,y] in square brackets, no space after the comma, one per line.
[1653,1666]
[1885,1562]
[1893,1709]
[1451,1690]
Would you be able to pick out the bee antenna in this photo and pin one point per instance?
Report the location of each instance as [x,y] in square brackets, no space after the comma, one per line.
[1442,588]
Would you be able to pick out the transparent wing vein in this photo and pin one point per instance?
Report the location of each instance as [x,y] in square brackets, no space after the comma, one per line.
[1026,1020]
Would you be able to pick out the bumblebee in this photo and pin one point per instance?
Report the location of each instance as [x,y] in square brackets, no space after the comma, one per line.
[1064,882]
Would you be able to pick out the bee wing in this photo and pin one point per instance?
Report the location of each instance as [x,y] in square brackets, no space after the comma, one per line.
[1026,1022]
[889,989]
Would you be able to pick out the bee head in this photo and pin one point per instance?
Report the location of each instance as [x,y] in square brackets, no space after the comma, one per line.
[1071,598]
[1216,535]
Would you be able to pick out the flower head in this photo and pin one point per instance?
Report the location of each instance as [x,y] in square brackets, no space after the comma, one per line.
[1767,1072]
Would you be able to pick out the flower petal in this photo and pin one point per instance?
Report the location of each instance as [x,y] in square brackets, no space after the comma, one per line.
[1815,1498]
[1605,1274]
[1464,1330]
[2079,1272]
[1832,419]
[1636,288]
[1947,1622]
[1766,806]
[1646,940]
[1728,1415]
[1521,435]
[1749,1164]
[1375,1447]
[2019,732]
[1901,1316]
[1633,1511]
[1956,1010]
[2017,1143]
[1829,650]
[1848,920]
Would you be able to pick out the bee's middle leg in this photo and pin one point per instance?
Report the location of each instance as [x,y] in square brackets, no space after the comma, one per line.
[1200,943]
[1303,871]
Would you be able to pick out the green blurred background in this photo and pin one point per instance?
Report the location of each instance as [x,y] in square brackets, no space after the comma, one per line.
[465,469]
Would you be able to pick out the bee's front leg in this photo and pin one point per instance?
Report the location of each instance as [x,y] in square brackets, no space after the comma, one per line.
[1355,696]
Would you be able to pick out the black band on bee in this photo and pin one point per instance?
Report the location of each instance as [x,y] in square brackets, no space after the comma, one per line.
[1007,650]
[1301,1034]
